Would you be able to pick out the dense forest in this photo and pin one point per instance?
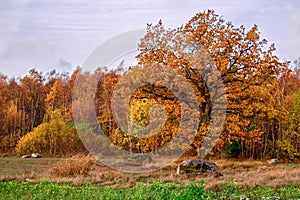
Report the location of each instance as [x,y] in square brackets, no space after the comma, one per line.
[262,96]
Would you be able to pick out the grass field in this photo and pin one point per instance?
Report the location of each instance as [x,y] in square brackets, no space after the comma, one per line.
[85,178]
[156,190]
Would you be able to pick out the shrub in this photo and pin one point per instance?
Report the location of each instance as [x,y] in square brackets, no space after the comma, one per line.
[53,138]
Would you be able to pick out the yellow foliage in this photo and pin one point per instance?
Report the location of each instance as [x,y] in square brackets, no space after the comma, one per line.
[52,138]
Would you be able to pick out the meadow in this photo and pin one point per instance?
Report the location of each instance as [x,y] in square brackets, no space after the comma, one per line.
[143,190]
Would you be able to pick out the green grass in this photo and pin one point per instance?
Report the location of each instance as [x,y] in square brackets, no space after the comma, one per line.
[260,192]
[156,190]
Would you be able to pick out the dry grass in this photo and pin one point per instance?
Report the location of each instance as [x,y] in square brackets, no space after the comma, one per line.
[238,164]
[20,169]
[250,173]
[85,169]
[78,165]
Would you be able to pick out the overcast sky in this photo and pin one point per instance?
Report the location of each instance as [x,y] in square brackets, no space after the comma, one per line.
[47,34]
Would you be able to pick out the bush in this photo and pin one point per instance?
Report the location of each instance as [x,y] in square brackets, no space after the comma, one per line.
[53,138]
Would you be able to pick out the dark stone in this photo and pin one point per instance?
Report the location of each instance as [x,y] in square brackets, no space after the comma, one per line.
[198,167]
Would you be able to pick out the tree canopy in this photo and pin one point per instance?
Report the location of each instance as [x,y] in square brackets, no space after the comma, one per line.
[228,71]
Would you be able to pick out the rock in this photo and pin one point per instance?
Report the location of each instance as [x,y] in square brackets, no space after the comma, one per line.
[36,155]
[273,161]
[4,155]
[198,167]
[26,156]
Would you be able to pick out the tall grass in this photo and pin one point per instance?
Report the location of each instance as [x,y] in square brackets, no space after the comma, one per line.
[77,165]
